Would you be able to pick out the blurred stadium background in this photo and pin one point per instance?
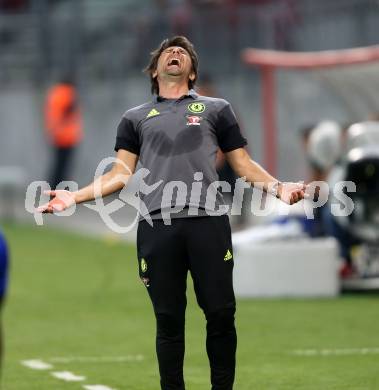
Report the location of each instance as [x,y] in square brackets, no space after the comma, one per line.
[75,302]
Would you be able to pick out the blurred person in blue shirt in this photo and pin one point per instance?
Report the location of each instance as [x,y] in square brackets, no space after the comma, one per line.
[3,282]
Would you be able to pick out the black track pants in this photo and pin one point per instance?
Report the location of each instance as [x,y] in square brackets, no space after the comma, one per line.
[201,245]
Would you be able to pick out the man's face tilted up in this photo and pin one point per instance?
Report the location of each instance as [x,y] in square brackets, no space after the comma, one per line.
[174,63]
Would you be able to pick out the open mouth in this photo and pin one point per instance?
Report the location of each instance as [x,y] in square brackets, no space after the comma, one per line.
[174,61]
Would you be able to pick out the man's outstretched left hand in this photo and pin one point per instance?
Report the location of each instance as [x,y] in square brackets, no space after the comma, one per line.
[292,193]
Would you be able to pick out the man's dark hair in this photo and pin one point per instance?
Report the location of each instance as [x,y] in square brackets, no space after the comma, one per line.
[169,42]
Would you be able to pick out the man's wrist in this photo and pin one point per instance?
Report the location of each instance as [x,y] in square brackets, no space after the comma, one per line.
[276,189]
[280,188]
[77,198]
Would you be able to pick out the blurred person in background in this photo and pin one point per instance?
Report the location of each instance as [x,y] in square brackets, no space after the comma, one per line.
[175,136]
[63,123]
[323,145]
[325,150]
[3,288]
[357,233]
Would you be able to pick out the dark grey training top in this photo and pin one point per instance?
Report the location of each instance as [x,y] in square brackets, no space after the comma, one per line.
[176,138]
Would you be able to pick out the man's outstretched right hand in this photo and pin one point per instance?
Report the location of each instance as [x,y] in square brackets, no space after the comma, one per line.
[61,201]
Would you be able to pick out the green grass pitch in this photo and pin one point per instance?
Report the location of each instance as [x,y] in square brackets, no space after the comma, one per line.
[76,297]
